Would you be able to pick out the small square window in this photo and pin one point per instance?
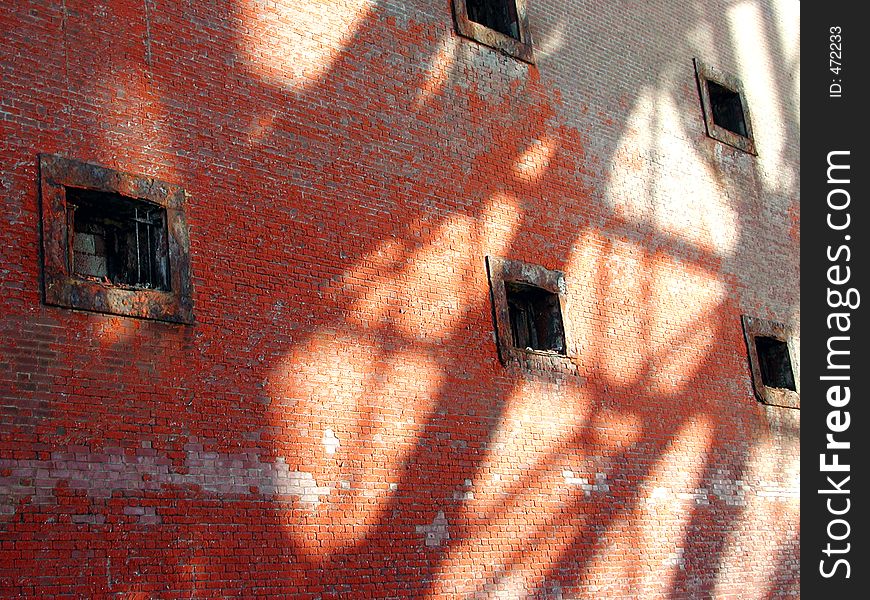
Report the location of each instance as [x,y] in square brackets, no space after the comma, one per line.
[535,317]
[727,108]
[724,105]
[528,307]
[113,242]
[774,363]
[770,363]
[500,24]
[498,15]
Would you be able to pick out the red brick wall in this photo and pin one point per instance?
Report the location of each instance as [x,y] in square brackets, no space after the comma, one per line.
[337,424]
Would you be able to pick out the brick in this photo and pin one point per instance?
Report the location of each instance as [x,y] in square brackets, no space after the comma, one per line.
[335,422]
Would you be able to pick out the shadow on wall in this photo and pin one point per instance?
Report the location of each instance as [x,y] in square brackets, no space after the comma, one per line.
[337,423]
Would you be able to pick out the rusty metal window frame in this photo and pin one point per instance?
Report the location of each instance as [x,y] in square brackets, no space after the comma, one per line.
[502,271]
[521,48]
[705,74]
[753,328]
[62,287]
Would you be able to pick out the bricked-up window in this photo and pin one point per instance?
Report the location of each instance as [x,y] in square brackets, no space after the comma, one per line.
[529,307]
[770,362]
[113,242]
[500,24]
[723,103]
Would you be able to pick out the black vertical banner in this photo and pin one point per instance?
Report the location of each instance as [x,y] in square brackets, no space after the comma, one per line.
[835,370]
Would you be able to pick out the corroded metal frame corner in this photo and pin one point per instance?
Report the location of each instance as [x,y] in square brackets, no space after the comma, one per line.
[502,270]
[754,327]
[62,288]
[521,48]
[705,73]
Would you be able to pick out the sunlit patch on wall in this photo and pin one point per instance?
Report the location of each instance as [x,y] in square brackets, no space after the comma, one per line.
[616,430]
[293,44]
[763,94]
[114,330]
[685,319]
[771,506]
[622,273]
[532,413]
[302,373]
[421,291]
[347,389]
[425,291]
[438,71]
[496,227]
[346,374]
[681,465]
[702,38]
[688,203]
[660,341]
[629,176]
[533,163]
[260,125]
[552,40]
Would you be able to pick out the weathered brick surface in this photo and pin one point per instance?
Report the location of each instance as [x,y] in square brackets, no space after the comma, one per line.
[336,424]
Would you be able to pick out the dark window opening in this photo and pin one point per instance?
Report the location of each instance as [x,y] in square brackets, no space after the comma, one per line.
[727,108]
[775,363]
[535,318]
[117,240]
[500,15]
